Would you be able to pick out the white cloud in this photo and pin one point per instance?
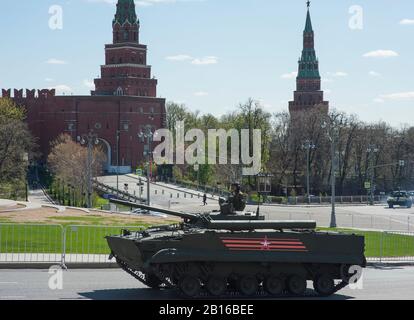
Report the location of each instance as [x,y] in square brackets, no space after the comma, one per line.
[56,61]
[374,74]
[205,60]
[196,61]
[338,74]
[179,57]
[381,54]
[144,3]
[407,22]
[89,84]
[201,94]
[291,75]
[62,89]
[399,96]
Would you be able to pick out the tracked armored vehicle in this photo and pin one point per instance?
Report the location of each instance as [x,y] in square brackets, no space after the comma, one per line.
[204,257]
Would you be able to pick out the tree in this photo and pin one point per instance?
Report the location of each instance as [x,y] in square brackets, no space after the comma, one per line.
[15,141]
[68,162]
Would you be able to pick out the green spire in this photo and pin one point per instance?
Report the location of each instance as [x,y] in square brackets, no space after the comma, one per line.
[308,27]
[125,11]
[308,63]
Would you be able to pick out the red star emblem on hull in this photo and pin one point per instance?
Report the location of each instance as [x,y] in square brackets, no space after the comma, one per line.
[265,244]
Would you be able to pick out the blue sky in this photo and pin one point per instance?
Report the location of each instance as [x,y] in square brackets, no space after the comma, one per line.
[213,54]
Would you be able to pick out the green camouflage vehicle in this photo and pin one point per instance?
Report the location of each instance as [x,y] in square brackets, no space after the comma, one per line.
[400,198]
[202,257]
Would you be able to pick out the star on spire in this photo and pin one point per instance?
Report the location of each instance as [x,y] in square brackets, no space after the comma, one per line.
[308,3]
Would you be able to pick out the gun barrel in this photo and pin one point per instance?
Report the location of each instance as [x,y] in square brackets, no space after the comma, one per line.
[182,215]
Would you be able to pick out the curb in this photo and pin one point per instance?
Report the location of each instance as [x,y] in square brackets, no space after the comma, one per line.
[47,265]
[389,264]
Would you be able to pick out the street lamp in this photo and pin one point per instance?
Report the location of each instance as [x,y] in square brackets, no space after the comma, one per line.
[372,150]
[118,132]
[331,134]
[308,146]
[147,136]
[90,140]
[264,186]
[26,160]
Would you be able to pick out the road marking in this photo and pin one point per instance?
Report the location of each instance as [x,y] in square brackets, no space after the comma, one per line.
[8,283]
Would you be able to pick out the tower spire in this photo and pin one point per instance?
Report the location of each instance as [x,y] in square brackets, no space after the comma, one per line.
[308,83]
[125,12]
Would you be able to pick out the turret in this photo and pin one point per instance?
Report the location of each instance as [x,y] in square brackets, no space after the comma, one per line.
[204,221]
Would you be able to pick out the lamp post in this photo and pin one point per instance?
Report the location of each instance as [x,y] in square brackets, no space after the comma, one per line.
[372,150]
[331,134]
[118,132]
[308,146]
[147,137]
[264,186]
[90,140]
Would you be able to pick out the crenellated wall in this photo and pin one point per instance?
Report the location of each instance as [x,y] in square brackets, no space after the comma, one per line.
[20,94]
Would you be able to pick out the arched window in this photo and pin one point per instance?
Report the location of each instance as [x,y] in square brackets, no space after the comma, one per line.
[119,91]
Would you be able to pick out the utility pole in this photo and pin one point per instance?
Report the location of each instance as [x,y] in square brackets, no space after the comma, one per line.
[308,146]
[333,182]
[372,150]
[331,134]
[117,161]
[90,140]
[147,137]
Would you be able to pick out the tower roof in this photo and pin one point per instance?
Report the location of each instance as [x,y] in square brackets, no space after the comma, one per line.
[125,12]
[308,26]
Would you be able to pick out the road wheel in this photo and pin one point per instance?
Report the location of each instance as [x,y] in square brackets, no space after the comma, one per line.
[153,281]
[248,285]
[216,286]
[190,286]
[324,285]
[296,285]
[274,285]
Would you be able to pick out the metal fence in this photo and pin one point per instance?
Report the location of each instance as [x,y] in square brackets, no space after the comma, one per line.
[32,243]
[392,222]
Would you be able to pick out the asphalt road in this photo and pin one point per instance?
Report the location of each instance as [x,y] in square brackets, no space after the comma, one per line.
[348,216]
[378,284]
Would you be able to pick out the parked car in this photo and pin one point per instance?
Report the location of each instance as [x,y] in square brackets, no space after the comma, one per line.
[400,198]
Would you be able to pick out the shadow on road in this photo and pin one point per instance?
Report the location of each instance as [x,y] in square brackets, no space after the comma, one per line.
[150,294]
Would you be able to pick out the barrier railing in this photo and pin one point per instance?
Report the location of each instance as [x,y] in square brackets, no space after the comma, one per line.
[32,243]
[87,244]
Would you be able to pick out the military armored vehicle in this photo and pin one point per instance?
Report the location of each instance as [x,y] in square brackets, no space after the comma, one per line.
[400,198]
[205,257]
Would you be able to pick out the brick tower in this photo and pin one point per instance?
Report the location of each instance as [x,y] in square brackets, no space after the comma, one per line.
[308,94]
[125,71]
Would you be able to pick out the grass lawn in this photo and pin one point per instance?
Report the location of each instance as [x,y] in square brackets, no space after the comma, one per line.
[390,244]
[48,239]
